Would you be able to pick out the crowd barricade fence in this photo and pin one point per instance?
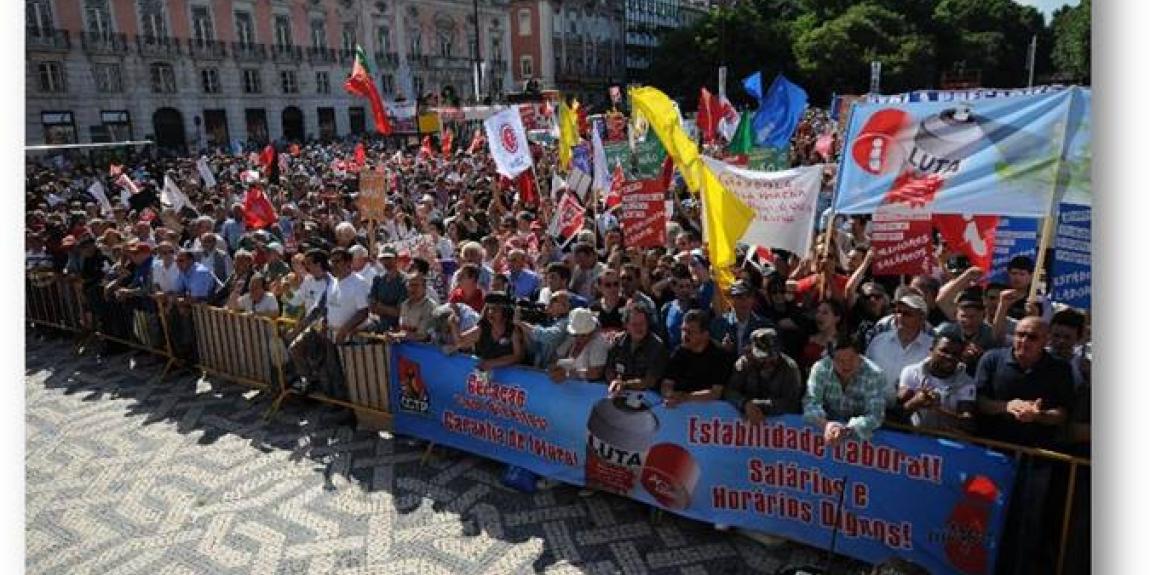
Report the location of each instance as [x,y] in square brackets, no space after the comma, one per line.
[250,349]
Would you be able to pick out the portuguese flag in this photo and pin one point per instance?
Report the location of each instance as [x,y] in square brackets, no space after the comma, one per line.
[361,84]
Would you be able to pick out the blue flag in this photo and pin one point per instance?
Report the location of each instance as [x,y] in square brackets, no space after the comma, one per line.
[779,110]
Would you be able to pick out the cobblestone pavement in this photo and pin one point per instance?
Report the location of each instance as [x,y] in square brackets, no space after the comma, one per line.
[128,475]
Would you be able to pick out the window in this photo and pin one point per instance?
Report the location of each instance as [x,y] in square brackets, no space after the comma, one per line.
[99,17]
[524,22]
[38,14]
[283,31]
[526,67]
[108,78]
[152,22]
[348,36]
[384,36]
[252,81]
[245,34]
[52,77]
[59,127]
[496,47]
[387,83]
[471,47]
[322,83]
[416,41]
[210,79]
[163,78]
[445,43]
[202,30]
[289,82]
[417,83]
[117,125]
[318,34]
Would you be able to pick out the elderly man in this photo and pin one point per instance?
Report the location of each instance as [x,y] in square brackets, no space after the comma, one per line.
[937,392]
[638,358]
[906,345]
[473,253]
[586,272]
[257,300]
[165,272]
[215,256]
[699,368]
[388,290]
[361,263]
[765,382]
[846,393]
[545,339]
[583,353]
[733,329]
[524,282]
[455,326]
[275,268]
[417,312]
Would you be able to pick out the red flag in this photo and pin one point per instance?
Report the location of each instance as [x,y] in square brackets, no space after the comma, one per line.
[426,149]
[360,155]
[707,116]
[615,194]
[971,235]
[668,175]
[361,84]
[527,192]
[448,141]
[477,142]
[258,210]
[568,219]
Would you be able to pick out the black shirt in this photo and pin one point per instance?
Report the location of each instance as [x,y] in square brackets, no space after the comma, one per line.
[699,371]
[628,361]
[1001,378]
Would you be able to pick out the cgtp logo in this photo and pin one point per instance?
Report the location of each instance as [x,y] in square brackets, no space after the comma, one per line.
[510,141]
[413,391]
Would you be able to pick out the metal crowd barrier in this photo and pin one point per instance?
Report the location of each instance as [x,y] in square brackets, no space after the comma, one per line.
[242,347]
[52,300]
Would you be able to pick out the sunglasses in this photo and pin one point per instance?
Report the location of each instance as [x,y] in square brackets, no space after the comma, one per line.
[610,284]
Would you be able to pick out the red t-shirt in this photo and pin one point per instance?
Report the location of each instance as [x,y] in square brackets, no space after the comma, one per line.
[475,301]
[808,284]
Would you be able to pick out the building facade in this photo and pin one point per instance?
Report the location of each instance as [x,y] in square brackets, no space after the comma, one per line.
[195,73]
[647,21]
[575,47]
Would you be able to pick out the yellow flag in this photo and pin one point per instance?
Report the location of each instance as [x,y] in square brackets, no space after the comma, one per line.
[568,132]
[725,216]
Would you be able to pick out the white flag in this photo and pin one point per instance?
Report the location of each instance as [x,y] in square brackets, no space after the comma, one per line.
[579,182]
[507,141]
[557,186]
[171,196]
[101,196]
[783,202]
[206,172]
[601,171]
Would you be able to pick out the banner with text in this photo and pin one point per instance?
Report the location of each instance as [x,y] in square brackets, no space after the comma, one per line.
[644,215]
[901,239]
[1014,237]
[1001,156]
[938,503]
[783,202]
[1072,269]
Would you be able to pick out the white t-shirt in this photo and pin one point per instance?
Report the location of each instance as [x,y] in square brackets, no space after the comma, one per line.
[266,306]
[309,292]
[594,354]
[957,388]
[886,351]
[164,278]
[345,297]
[445,248]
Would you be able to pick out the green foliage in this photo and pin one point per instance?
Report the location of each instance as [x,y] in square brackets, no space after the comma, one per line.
[1071,31]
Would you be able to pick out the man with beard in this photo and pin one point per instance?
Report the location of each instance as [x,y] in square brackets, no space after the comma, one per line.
[937,392]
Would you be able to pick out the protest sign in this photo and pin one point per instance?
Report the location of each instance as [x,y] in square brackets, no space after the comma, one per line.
[999,156]
[644,219]
[616,127]
[372,195]
[508,143]
[901,239]
[783,202]
[1072,269]
[1013,237]
[568,219]
[938,503]
[972,236]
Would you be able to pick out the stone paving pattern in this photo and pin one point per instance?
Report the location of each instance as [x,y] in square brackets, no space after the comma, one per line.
[129,475]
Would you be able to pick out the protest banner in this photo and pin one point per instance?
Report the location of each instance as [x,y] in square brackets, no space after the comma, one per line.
[508,143]
[999,156]
[568,219]
[649,156]
[938,503]
[644,217]
[372,195]
[1013,237]
[403,117]
[972,236]
[783,202]
[616,127]
[1072,269]
[901,239]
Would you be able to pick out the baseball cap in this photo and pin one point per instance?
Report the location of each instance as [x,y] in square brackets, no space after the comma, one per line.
[765,343]
[387,252]
[871,288]
[971,297]
[914,301]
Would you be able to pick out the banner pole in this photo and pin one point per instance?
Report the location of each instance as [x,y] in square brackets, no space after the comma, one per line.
[1040,260]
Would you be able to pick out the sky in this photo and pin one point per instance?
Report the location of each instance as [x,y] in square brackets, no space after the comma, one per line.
[1047,7]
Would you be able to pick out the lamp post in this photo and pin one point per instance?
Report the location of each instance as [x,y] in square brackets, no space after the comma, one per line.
[477,73]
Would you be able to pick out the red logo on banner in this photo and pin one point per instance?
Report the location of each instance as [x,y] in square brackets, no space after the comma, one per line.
[510,142]
[971,235]
[644,214]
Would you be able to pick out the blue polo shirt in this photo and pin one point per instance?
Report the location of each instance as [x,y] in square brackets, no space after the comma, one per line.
[524,283]
[198,282]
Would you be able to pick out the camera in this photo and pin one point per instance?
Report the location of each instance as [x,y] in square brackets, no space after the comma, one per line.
[530,311]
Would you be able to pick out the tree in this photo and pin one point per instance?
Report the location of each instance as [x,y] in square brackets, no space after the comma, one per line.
[992,36]
[1071,53]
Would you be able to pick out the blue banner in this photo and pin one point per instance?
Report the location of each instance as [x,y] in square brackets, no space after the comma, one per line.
[1012,156]
[1013,237]
[780,110]
[938,503]
[1072,269]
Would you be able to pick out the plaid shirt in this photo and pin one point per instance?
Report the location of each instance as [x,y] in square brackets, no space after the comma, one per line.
[862,403]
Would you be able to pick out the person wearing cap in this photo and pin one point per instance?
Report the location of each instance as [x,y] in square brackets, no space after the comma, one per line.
[583,353]
[905,345]
[846,393]
[699,368]
[733,329]
[765,381]
[275,268]
[937,393]
[970,328]
[388,291]
[638,358]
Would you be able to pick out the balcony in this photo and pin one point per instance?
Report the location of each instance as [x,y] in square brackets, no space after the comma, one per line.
[249,52]
[48,40]
[321,55]
[450,63]
[287,54]
[163,46]
[104,43]
[346,56]
[389,59]
[418,61]
[207,49]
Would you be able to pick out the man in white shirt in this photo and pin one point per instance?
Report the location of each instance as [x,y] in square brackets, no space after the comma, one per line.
[905,345]
[165,272]
[361,263]
[336,304]
[937,392]
[258,300]
[346,298]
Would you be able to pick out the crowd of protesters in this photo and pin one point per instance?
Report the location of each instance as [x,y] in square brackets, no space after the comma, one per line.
[463,259]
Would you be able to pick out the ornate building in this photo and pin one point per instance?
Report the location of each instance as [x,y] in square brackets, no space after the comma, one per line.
[190,73]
